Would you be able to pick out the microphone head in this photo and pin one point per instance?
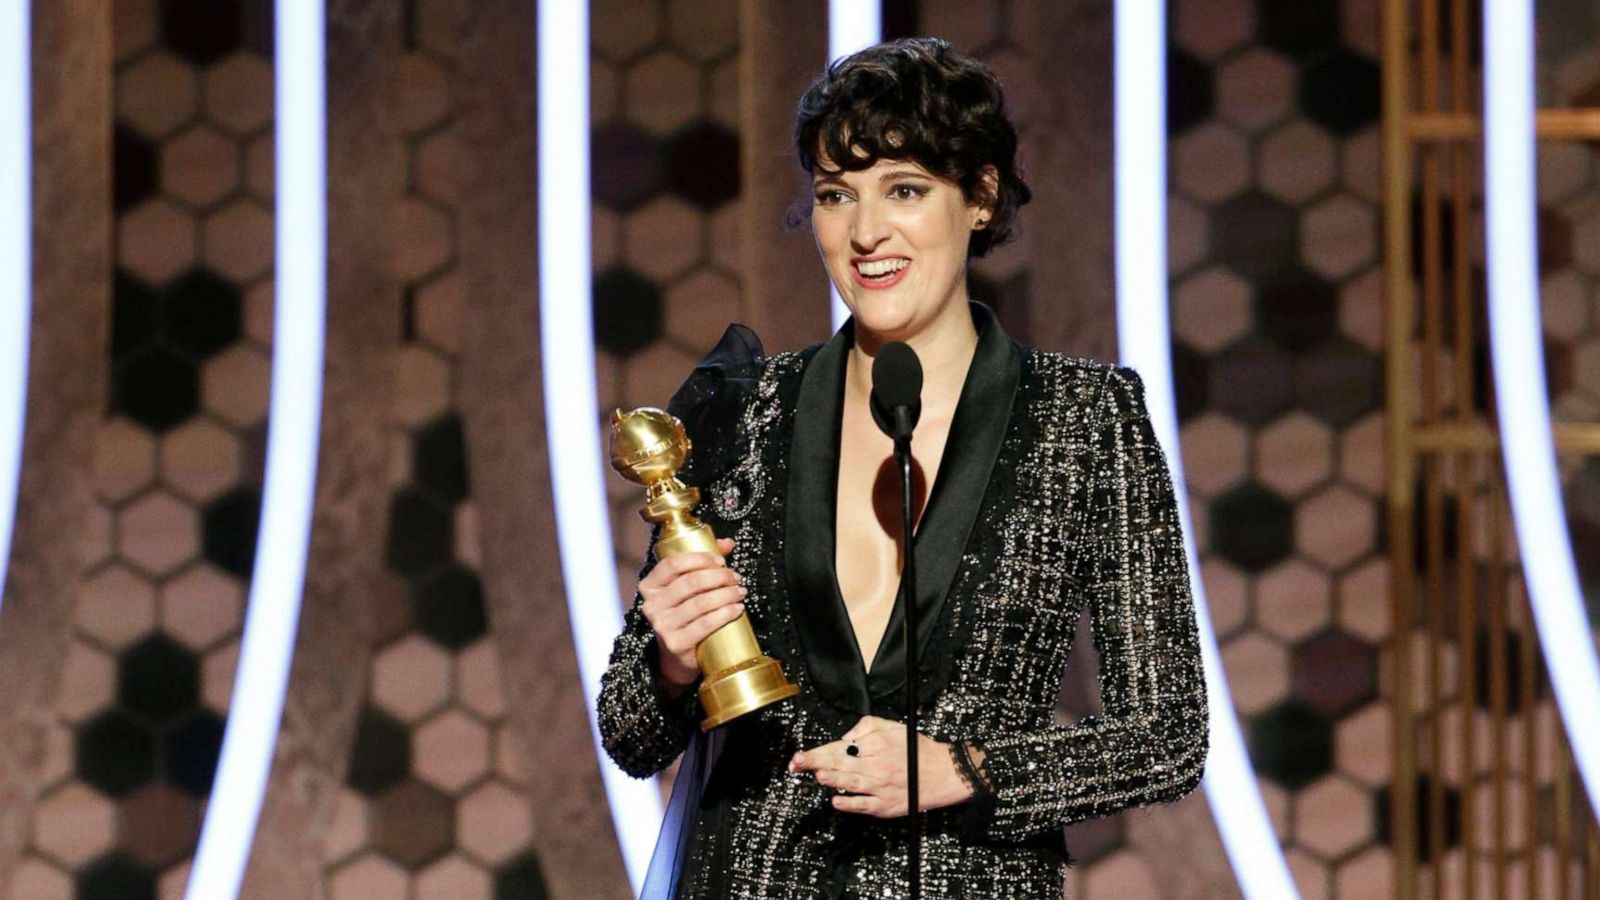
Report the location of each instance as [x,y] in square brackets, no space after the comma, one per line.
[896,382]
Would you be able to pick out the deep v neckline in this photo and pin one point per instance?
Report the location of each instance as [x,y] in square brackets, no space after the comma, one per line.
[827,636]
[896,602]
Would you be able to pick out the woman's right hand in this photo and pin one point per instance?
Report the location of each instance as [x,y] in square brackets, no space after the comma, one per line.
[686,597]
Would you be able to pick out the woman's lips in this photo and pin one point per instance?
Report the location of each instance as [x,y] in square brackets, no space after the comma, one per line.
[879,283]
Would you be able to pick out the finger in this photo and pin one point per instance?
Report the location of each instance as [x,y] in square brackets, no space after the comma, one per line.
[686,636]
[725,545]
[684,589]
[679,563]
[687,616]
[711,601]
[864,804]
[668,570]
[854,782]
[701,580]
[701,628]
[839,780]
[824,756]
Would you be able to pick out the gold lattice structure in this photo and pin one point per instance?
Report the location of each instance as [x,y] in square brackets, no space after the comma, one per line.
[1485,799]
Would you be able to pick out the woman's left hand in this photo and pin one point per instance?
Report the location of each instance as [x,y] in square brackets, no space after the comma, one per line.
[873,782]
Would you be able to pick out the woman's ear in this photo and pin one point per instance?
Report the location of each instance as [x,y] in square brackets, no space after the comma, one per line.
[988,196]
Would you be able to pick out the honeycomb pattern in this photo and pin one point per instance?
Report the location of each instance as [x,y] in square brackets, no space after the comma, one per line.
[1277,340]
[1569,223]
[433,804]
[665,188]
[144,700]
[1278,335]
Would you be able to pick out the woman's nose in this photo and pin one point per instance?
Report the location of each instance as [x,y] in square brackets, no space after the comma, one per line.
[868,228]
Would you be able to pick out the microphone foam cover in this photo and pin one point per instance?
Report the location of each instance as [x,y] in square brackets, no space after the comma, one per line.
[896,381]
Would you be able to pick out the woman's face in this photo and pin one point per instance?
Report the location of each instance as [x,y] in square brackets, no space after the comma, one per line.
[894,241]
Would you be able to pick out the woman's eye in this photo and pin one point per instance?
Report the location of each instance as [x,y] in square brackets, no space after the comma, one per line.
[828,198]
[906,192]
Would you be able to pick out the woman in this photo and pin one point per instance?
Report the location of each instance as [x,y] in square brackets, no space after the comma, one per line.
[1041,490]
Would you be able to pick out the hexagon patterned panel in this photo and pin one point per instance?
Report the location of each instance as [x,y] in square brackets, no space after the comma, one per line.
[1278,338]
[665,108]
[432,806]
[1277,313]
[178,460]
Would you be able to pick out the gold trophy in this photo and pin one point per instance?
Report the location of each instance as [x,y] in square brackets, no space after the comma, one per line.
[648,447]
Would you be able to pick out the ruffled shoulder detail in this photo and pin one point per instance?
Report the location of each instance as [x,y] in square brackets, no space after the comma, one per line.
[712,400]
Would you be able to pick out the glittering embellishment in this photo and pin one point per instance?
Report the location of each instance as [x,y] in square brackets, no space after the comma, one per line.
[736,493]
[1079,513]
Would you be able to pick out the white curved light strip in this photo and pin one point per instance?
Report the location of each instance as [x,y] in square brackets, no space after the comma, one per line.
[16,256]
[566,344]
[291,466]
[1516,342]
[852,25]
[1144,338]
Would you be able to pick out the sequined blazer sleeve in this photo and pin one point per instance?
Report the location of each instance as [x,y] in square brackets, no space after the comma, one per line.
[1149,743]
[642,729]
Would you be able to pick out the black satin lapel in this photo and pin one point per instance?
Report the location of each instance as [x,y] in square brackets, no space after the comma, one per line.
[822,624]
[983,414]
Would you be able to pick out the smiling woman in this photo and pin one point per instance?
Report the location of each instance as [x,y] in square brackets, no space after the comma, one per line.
[1042,491]
[892,224]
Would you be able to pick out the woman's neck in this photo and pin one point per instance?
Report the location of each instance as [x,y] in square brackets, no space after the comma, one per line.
[944,348]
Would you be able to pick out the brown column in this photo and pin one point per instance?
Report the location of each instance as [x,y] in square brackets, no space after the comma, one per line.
[501,399]
[783,45]
[66,387]
[345,578]
[1068,152]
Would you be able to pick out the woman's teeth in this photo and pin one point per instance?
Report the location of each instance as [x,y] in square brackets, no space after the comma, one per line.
[878,268]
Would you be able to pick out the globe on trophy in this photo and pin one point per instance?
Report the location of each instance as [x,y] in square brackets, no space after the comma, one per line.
[648,447]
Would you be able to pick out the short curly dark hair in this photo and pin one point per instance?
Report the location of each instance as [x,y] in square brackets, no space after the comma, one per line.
[916,99]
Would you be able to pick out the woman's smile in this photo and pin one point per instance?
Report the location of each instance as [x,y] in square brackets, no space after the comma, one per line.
[876,273]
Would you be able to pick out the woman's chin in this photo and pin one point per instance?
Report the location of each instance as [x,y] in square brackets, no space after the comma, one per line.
[885,328]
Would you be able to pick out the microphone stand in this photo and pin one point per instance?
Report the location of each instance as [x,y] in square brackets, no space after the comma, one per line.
[896,406]
[908,595]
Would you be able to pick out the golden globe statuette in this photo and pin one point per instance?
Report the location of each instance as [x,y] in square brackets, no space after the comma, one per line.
[648,447]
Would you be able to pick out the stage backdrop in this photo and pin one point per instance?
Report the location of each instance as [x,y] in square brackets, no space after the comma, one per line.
[431,777]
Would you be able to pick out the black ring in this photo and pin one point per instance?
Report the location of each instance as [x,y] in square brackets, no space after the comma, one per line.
[851,749]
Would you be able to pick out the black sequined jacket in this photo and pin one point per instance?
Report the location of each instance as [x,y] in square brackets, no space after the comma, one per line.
[1052,494]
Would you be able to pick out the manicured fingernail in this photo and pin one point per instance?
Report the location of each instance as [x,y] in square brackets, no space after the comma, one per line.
[745,592]
[738,607]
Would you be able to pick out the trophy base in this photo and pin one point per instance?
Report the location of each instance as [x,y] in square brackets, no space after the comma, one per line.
[729,695]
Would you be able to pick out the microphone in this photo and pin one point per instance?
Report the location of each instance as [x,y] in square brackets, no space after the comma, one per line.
[896,390]
[896,406]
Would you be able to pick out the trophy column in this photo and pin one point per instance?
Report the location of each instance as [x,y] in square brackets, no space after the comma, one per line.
[649,446]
